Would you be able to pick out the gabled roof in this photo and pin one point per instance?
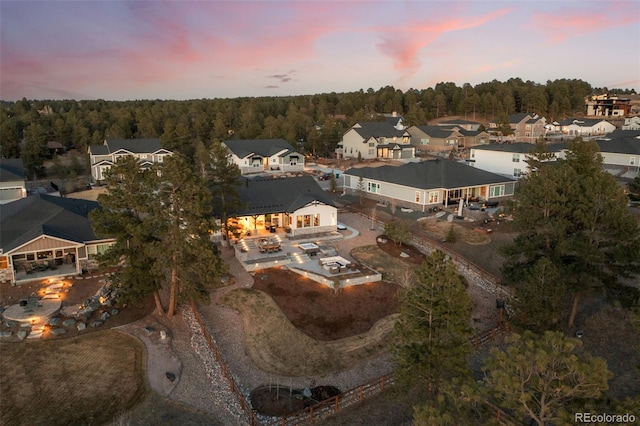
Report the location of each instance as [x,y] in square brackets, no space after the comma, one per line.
[134,146]
[621,134]
[433,174]
[456,122]
[37,215]
[262,147]
[583,122]
[518,147]
[517,118]
[11,170]
[264,195]
[377,129]
[435,131]
[628,145]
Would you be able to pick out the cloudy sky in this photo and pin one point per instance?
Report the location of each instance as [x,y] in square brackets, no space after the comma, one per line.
[120,50]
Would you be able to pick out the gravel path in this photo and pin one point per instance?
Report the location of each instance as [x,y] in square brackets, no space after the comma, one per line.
[200,381]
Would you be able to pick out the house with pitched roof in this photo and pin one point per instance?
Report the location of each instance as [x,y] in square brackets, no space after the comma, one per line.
[584,127]
[527,127]
[12,180]
[295,205]
[620,152]
[264,155]
[44,236]
[461,123]
[507,159]
[441,138]
[631,123]
[102,157]
[376,140]
[427,183]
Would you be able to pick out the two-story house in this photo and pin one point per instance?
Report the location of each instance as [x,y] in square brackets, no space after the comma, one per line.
[102,157]
[526,127]
[435,138]
[264,155]
[376,140]
[12,180]
[507,159]
[461,123]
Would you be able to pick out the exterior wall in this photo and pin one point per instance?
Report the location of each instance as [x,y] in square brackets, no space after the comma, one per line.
[616,159]
[632,123]
[328,219]
[352,143]
[499,162]
[600,128]
[11,191]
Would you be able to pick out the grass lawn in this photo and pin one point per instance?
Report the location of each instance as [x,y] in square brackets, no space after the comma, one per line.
[81,380]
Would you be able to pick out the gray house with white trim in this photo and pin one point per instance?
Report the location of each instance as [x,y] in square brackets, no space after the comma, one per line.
[102,157]
[427,183]
[264,155]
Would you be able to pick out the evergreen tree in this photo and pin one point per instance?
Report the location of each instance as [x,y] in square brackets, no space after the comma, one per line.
[574,214]
[124,216]
[360,189]
[541,376]
[183,222]
[433,331]
[34,150]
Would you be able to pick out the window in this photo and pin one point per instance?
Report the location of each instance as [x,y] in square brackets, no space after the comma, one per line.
[434,197]
[316,219]
[160,158]
[95,250]
[473,153]
[4,262]
[405,139]
[517,172]
[372,151]
[372,144]
[515,158]
[373,187]
[418,197]
[496,191]
[298,221]
[424,141]
[528,126]
[307,221]
[383,139]
[632,161]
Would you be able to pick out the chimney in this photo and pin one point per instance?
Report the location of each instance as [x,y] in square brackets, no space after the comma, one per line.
[394,114]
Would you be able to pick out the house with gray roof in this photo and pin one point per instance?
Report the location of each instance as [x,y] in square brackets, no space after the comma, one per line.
[376,140]
[102,157]
[264,155]
[620,152]
[44,236]
[527,127]
[297,205]
[461,123]
[427,183]
[584,127]
[507,159]
[435,138]
[12,180]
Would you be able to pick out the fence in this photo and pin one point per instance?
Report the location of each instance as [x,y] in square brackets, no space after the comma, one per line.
[244,404]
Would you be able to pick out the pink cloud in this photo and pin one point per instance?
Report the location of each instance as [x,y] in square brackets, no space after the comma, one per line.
[404,43]
[574,22]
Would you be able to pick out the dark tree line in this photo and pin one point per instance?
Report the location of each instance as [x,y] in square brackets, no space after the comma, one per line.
[313,123]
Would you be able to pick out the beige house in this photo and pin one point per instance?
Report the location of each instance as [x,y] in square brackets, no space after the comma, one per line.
[376,140]
[264,155]
[102,157]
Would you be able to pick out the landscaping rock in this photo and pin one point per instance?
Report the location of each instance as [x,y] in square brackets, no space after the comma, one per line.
[81,326]
[21,334]
[58,331]
[403,254]
[6,333]
[70,322]
[104,316]
[96,324]
[114,311]
[54,321]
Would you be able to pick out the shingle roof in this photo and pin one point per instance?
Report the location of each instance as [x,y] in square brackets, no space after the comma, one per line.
[433,174]
[136,146]
[23,220]
[262,147]
[621,134]
[628,145]
[377,129]
[518,147]
[458,121]
[11,169]
[435,131]
[585,122]
[264,195]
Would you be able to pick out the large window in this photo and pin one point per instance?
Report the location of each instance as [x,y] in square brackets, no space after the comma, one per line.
[515,158]
[418,197]
[434,197]
[307,220]
[517,172]
[424,141]
[496,191]
[373,187]
[95,250]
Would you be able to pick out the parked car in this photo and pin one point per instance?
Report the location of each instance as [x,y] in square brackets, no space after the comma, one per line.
[326,176]
[341,227]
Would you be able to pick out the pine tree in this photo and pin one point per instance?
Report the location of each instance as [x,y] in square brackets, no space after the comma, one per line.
[434,327]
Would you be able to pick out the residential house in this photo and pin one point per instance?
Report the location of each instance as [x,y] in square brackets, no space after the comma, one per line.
[435,138]
[44,236]
[461,123]
[427,183]
[620,152]
[526,127]
[264,155]
[584,127]
[12,180]
[376,140]
[631,123]
[607,105]
[298,205]
[507,159]
[102,157]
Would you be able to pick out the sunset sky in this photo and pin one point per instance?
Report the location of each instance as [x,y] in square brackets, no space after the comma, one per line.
[118,50]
